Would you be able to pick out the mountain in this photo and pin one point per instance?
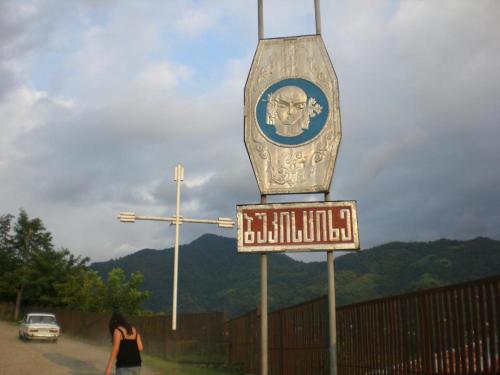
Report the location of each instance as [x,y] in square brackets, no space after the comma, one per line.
[213,277]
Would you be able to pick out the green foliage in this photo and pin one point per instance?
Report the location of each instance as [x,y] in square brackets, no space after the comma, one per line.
[83,290]
[213,277]
[34,273]
[48,269]
[29,242]
[34,266]
[400,267]
[5,235]
[7,260]
[86,291]
[426,281]
[186,368]
[123,295]
[30,236]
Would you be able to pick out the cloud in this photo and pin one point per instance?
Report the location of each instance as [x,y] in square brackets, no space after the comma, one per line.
[195,21]
[162,76]
[99,102]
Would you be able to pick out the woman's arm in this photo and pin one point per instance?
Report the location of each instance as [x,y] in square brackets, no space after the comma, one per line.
[139,343]
[114,351]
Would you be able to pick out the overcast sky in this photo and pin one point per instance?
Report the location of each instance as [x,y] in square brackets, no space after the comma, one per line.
[99,100]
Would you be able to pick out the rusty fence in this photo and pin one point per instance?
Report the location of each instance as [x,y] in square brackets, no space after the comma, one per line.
[449,330]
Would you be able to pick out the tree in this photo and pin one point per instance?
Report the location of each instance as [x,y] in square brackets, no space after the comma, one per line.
[83,290]
[5,235]
[123,295]
[30,237]
[7,260]
[47,269]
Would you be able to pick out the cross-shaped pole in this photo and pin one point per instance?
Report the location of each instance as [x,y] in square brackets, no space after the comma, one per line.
[177,220]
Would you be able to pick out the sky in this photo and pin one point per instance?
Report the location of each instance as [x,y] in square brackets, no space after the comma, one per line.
[99,100]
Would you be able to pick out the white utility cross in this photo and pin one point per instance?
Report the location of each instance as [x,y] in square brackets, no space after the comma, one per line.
[177,220]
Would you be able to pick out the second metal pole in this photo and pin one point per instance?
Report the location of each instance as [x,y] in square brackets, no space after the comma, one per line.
[260,15]
[317,16]
[332,313]
[263,309]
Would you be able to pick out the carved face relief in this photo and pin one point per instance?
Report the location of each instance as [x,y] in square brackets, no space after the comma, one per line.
[286,110]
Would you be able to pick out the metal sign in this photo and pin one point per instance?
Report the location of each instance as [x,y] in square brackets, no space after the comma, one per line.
[292,116]
[311,226]
[292,135]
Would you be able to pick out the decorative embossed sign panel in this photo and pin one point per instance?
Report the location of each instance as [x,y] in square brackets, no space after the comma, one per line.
[297,227]
[292,117]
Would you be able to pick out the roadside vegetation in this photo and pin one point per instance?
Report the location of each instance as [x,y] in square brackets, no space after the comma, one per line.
[178,368]
[34,273]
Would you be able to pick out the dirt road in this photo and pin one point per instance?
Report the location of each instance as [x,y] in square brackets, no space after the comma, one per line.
[67,357]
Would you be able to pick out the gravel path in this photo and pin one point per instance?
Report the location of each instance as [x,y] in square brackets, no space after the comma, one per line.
[66,357]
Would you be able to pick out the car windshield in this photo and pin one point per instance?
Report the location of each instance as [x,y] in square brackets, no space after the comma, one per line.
[41,319]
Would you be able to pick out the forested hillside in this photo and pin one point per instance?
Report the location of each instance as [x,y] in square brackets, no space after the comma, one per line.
[214,277]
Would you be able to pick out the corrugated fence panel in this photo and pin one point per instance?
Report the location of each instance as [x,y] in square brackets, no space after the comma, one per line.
[449,330]
[242,345]
[305,339]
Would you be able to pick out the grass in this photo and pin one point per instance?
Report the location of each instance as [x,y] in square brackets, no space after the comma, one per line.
[199,358]
[161,366]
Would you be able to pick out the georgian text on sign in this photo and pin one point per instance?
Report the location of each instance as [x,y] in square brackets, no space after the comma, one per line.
[298,227]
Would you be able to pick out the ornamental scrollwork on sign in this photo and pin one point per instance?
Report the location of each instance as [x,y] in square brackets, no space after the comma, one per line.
[260,145]
[324,147]
[291,171]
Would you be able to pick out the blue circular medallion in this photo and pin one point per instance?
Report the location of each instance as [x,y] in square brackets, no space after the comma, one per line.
[292,111]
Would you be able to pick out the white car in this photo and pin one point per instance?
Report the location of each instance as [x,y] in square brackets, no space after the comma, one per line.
[39,326]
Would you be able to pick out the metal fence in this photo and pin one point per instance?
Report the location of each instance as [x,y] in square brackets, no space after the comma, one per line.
[449,330]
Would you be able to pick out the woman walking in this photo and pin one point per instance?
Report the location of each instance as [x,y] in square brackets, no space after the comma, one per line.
[127,346]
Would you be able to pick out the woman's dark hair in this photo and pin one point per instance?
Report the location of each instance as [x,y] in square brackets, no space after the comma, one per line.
[118,320]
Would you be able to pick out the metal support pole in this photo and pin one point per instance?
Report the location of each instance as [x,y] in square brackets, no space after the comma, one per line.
[261,19]
[317,16]
[177,220]
[263,309]
[178,178]
[332,314]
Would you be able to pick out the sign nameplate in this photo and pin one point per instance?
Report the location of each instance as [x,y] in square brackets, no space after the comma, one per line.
[311,226]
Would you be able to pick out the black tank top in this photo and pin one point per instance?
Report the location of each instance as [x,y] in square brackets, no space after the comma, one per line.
[128,354]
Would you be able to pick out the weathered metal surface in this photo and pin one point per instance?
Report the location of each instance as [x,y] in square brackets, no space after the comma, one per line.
[450,330]
[311,226]
[292,116]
